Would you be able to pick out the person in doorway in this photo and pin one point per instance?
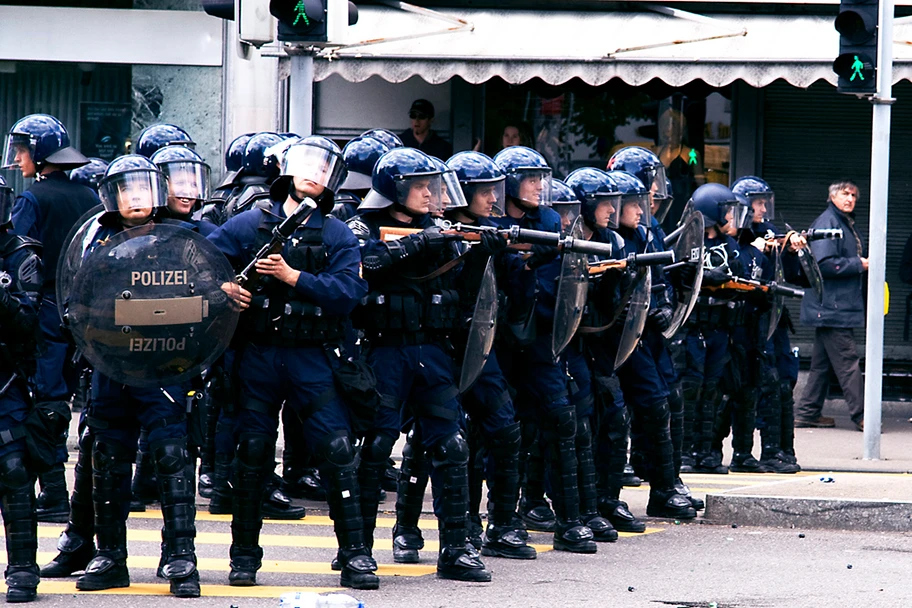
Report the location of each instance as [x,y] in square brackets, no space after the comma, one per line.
[420,135]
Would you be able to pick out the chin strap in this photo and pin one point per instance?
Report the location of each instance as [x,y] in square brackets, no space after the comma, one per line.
[403,209]
[293,193]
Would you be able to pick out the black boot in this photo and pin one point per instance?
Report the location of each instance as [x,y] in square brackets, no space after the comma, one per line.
[303,483]
[207,449]
[775,460]
[744,421]
[534,510]
[501,538]
[560,442]
[175,487]
[708,460]
[221,500]
[669,504]
[338,469]
[451,492]
[612,457]
[18,506]
[745,463]
[255,455]
[53,504]
[676,422]
[111,492]
[413,480]
[276,505]
[602,530]
[477,454]
[683,490]
[374,453]
[691,394]
[76,544]
[618,513]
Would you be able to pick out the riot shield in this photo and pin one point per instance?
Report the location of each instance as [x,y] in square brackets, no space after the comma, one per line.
[688,248]
[778,299]
[481,329]
[637,311]
[146,306]
[572,287]
[811,271]
[80,236]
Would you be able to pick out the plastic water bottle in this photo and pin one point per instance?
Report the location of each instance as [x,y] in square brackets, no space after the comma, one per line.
[307,599]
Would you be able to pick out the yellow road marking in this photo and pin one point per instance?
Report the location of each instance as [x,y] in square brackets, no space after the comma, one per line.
[52,587]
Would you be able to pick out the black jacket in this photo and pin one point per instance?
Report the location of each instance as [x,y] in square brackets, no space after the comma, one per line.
[843,275]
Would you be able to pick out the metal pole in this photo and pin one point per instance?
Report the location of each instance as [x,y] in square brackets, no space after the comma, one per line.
[300,95]
[877,252]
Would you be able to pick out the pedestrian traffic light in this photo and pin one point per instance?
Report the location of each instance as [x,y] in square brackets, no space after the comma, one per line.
[313,21]
[856,65]
[254,25]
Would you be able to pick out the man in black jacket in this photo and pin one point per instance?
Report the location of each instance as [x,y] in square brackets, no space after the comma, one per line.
[843,265]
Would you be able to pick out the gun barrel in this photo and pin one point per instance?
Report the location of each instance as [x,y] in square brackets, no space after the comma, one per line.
[656,258]
[816,234]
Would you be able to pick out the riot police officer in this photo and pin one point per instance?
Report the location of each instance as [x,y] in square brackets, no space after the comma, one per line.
[385,136]
[255,175]
[361,154]
[406,320]
[39,146]
[20,285]
[91,174]
[214,209]
[295,316]
[155,137]
[707,336]
[132,188]
[541,380]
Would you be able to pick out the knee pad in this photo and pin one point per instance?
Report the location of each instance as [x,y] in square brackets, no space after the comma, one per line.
[451,451]
[338,452]
[413,447]
[676,398]
[170,455]
[655,414]
[563,422]
[508,437]
[13,473]
[255,450]
[377,448]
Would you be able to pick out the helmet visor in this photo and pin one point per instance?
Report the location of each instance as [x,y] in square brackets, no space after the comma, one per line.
[741,216]
[568,213]
[17,144]
[485,199]
[315,164]
[763,206]
[728,212]
[451,192]
[132,192]
[187,180]
[420,192]
[606,211]
[635,211]
[533,185]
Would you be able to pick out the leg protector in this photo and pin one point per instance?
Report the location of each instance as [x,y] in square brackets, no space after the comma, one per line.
[612,452]
[255,454]
[21,525]
[220,502]
[53,503]
[413,480]
[655,422]
[338,469]
[374,453]
[175,488]
[144,485]
[450,483]
[676,414]
[560,442]
[601,528]
[501,538]
[691,394]
[111,495]
[536,514]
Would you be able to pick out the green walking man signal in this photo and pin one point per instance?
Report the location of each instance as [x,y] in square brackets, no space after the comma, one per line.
[857,66]
[300,12]
[692,157]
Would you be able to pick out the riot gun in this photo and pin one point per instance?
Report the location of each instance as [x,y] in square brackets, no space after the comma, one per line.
[280,236]
[634,260]
[527,236]
[752,285]
[811,234]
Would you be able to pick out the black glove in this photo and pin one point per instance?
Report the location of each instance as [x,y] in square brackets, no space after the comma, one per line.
[541,255]
[682,277]
[490,243]
[660,316]
[714,277]
[433,240]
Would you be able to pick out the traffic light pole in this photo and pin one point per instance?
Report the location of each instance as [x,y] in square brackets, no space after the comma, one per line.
[877,252]
[300,94]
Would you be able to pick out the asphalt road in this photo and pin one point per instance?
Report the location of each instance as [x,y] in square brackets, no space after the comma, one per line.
[672,565]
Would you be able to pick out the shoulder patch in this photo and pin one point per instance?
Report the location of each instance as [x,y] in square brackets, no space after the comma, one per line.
[360,228]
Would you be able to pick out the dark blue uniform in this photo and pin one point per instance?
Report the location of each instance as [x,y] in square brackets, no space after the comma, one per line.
[21,277]
[283,353]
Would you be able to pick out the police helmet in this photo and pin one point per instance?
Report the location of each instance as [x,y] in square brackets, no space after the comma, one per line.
[451,196]
[633,193]
[187,173]
[407,179]
[565,202]
[761,197]
[273,155]
[482,183]
[595,189]
[234,155]
[45,139]
[741,213]
[716,202]
[314,158]
[528,175]
[361,154]
[90,175]
[132,183]
[156,137]
[390,139]
[647,167]
[6,203]
[255,162]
